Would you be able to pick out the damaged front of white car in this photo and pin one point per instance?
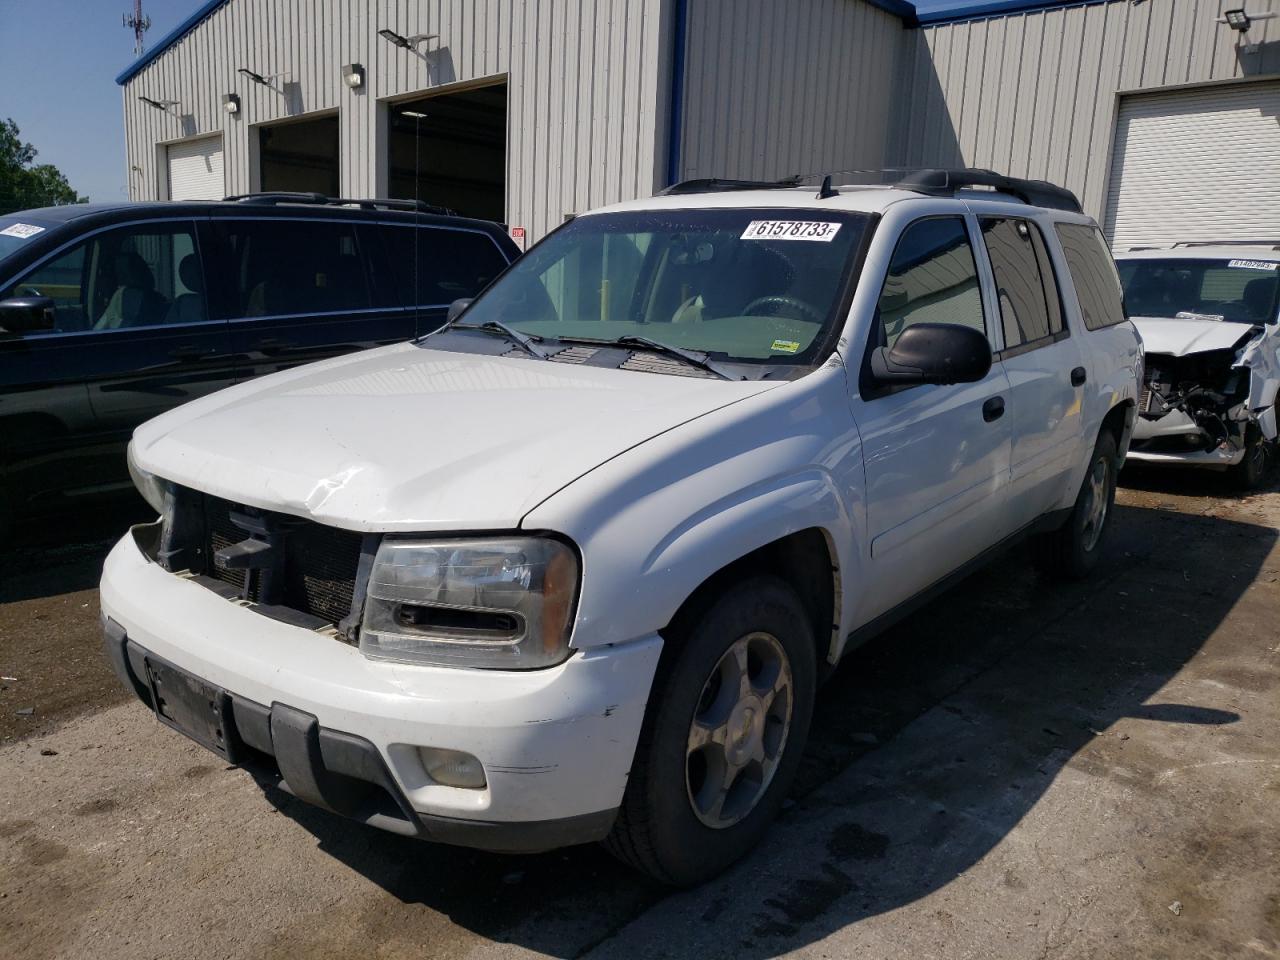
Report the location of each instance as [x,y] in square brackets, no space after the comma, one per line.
[1208,319]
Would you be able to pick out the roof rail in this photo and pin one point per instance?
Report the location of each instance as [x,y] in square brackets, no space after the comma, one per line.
[273,198]
[717,185]
[945,182]
[1273,244]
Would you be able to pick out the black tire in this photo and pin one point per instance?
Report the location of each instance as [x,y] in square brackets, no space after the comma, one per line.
[658,830]
[1249,473]
[1071,552]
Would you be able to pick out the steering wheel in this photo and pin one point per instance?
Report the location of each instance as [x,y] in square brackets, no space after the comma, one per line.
[808,312]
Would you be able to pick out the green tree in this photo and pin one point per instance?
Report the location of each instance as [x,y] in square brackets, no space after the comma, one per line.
[24,183]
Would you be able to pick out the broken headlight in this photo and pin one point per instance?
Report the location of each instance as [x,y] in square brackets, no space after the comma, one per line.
[504,604]
[154,490]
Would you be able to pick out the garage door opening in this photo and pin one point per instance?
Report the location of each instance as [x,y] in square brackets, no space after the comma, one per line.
[460,159]
[195,170]
[300,156]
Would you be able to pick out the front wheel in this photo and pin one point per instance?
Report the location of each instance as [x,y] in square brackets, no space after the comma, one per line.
[726,725]
[1250,471]
[1071,552]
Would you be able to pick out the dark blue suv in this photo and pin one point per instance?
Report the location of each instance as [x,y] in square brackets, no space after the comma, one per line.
[113,313]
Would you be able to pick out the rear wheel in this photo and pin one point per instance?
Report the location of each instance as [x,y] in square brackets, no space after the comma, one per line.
[726,725]
[1072,551]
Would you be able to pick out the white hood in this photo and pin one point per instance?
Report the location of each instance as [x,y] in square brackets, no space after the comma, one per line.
[407,438]
[1179,337]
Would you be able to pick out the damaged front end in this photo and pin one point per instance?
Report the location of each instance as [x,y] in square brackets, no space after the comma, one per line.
[1204,409]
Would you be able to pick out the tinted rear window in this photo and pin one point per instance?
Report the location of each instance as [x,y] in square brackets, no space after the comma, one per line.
[1094,274]
[278,267]
[451,263]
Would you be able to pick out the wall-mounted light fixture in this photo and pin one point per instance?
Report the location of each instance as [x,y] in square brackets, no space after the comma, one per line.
[159,104]
[408,43]
[353,75]
[231,102]
[1240,21]
[255,77]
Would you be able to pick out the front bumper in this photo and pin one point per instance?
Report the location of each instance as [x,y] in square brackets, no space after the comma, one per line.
[556,744]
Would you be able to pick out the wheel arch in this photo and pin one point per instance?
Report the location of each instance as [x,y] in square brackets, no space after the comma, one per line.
[806,560]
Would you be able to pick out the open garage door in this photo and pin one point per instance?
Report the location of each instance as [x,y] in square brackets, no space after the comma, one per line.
[300,155]
[195,170]
[1199,164]
[451,149]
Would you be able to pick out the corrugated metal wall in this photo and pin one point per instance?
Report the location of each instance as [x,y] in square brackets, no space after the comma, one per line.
[1035,94]
[587,120]
[773,89]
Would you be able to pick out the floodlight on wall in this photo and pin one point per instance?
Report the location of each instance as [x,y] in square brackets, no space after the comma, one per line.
[231,102]
[159,104]
[408,43]
[1237,20]
[1240,21]
[353,75]
[255,77]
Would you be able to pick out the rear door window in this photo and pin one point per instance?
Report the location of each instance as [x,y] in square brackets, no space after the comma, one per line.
[288,267]
[1030,308]
[1093,273]
[451,263]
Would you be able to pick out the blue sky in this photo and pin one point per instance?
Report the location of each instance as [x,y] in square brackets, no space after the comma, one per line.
[60,61]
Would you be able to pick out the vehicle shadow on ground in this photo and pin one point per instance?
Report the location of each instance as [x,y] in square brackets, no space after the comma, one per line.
[65,554]
[880,818]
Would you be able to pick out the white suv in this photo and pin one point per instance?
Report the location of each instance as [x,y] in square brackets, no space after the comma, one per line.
[1209,316]
[573,567]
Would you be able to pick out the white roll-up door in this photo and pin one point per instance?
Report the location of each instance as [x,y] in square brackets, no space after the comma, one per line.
[1200,164]
[195,170]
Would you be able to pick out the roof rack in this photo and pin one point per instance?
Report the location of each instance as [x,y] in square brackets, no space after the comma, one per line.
[1273,244]
[945,182]
[717,185]
[278,197]
[933,182]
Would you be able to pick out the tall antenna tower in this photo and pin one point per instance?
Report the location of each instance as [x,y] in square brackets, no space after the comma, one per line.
[139,23]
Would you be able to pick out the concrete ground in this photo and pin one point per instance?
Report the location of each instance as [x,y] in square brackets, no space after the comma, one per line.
[1019,770]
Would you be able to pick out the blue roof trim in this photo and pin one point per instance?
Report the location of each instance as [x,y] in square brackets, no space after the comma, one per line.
[899,8]
[168,40]
[996,8]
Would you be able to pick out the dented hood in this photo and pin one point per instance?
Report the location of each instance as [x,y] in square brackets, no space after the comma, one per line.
[408,438]
[1179,337]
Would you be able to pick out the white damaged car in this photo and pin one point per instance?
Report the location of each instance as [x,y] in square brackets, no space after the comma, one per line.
[1208,320]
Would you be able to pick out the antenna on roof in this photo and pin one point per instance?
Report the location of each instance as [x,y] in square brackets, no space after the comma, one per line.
[827,191]
[139,23]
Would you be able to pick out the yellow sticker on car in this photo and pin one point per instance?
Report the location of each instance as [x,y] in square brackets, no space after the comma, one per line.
[785,346]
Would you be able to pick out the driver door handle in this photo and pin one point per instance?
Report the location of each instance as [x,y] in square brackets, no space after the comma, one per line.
[190,352]
[993,409]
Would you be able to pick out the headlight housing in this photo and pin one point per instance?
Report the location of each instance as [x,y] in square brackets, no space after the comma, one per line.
[503,603]
[153,489]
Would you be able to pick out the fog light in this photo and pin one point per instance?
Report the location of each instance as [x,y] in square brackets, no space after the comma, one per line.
[452,768]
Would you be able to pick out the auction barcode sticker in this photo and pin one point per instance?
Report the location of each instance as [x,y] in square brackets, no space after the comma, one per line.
[820,230]
[1253,264]
[21,230]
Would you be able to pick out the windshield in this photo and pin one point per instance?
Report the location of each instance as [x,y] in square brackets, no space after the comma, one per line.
[747,286]
[1241,291]
[16,233]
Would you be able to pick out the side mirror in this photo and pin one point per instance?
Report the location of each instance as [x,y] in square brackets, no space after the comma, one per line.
[458,306]
[933,353]
[27,314]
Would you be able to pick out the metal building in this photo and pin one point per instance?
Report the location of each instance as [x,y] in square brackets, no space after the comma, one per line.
[1160,116]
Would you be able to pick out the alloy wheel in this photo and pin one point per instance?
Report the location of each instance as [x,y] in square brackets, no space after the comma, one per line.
[739,730]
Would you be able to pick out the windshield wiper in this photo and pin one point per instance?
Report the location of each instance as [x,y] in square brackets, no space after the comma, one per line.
[691,357]
[496,327]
